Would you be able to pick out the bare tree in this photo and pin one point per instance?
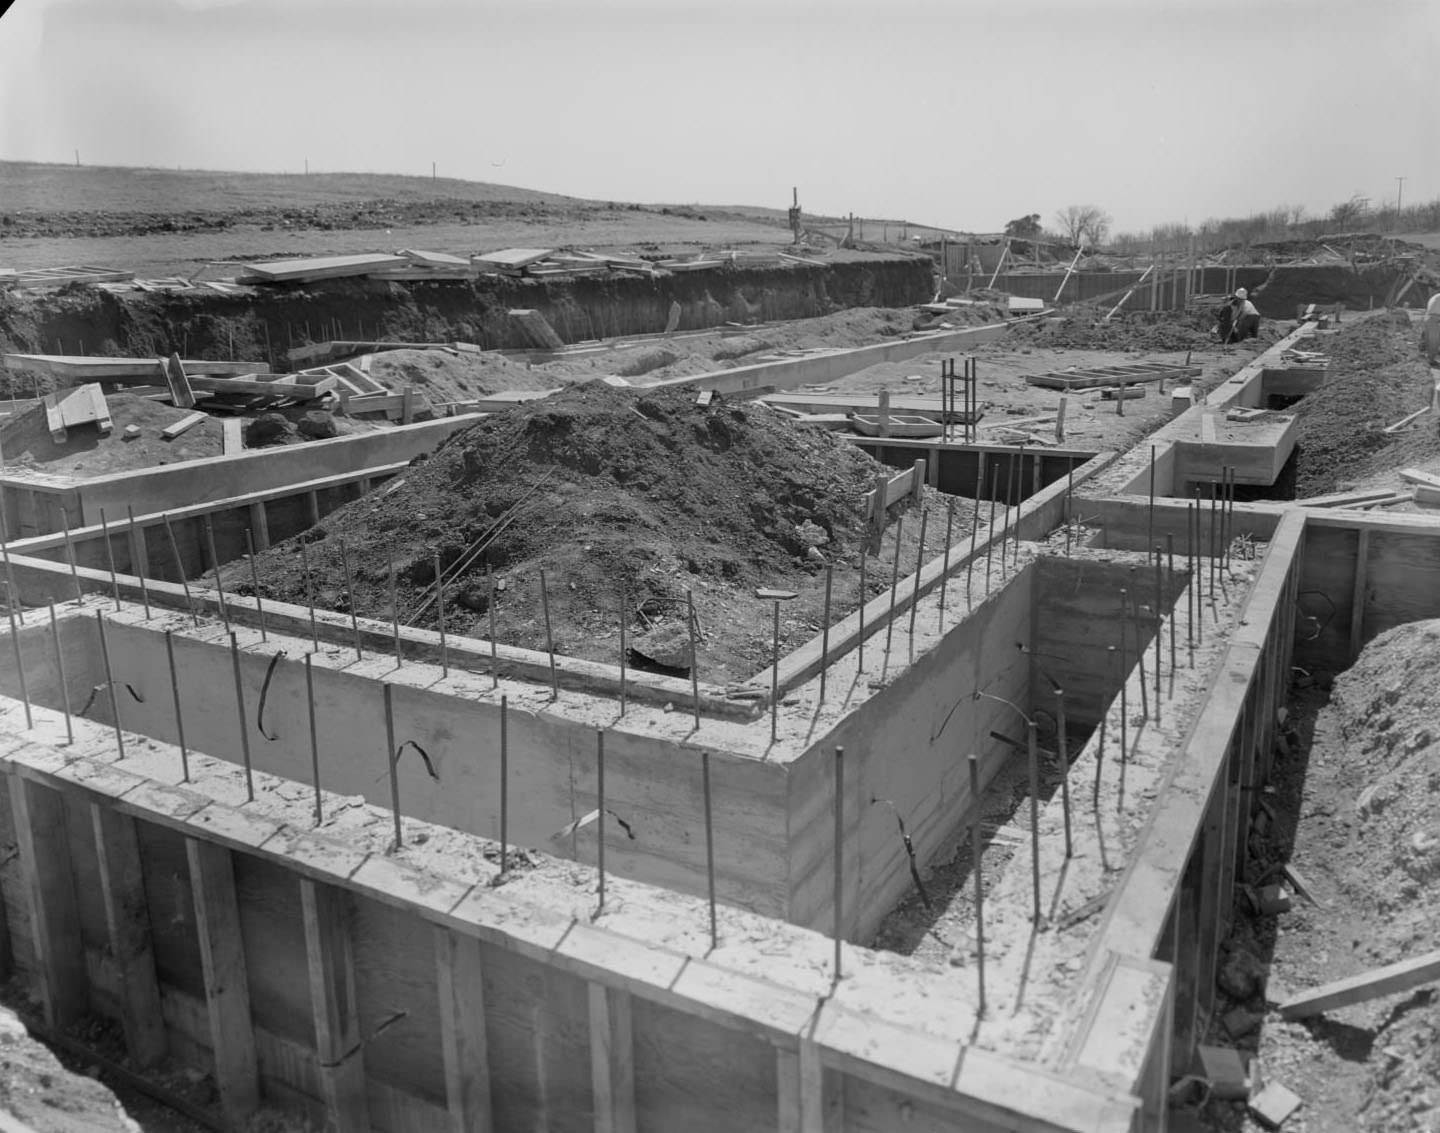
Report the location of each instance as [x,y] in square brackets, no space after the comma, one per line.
[1084,224]
[1348,212]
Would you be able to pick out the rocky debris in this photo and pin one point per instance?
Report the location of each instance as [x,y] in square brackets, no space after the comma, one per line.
[269,429]
[317,425]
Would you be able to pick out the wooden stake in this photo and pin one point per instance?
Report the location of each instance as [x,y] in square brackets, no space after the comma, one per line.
[393,763]
[976,858]
[709,847]
[839,807]
[350,598]
[314,739]
[180,567]
[255,582]
[179,715]
[240,710]
[110,558]
[695,657]
[137,539]
[549,638]
[59,671]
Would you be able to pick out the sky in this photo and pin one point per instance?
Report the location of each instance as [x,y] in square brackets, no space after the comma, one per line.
[955,113]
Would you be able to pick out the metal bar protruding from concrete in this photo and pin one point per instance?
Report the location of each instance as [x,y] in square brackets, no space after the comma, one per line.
[824,639]
[255,583]
[1100,739]
[392,763]
[1159,627]
[695,650]
[19,663]
[775,675]
[494,641]
[179,715]
[350,598]
[59,672]
[314,739]
[109,684]
[240,710]
[894,584]
[440,614]
[1032,746]
[919,562]
[504,784]
[215,565]
[110,558]
[549,638]
[709,847]
[976,857]
[860,634]
[1124,704]
[137,539]
[600,815]
[180,567]
[839,806]
[624,615]
[309,595]
[990,528]
[945,558]
[1063,745]
[70,554]
[395,614]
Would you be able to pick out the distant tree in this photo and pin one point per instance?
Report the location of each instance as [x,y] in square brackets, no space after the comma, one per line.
[1084,224]
[1349,212]
[1024,227]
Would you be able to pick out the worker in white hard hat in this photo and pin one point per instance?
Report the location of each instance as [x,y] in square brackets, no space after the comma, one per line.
[1432,329]
[1246,321]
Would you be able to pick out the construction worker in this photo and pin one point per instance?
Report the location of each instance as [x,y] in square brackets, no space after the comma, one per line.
[1432,329]
[1225,320]
[1246,317]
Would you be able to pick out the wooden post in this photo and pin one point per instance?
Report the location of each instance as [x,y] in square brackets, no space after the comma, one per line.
[612,1060]
[260,525]
[44,858]
[227,986]
[917,483]
[339,1051]
[462,1032]
[127,921]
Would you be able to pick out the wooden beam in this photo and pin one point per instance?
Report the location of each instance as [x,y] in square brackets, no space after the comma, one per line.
[170,432]
[812,1088]
[258,387]
[1357,593]
[462,1032]
[227,986]
[339,1052]
[44,859]
[787,1090]
[127,922]
[181,395]
[1369,985]
[612,1060]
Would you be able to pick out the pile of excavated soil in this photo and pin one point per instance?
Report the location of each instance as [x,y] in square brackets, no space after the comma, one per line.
[1143,332]
[26,440]
[1376,377]
[1357,813]
[608,490]
[443,376]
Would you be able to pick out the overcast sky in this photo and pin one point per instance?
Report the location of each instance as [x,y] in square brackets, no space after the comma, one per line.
[962,113]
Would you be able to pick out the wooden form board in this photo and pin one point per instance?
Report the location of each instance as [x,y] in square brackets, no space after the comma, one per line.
[512,257]
[329,267]
[1389,980]
[1095,377]
[59,277]
[65,409]
[76,367]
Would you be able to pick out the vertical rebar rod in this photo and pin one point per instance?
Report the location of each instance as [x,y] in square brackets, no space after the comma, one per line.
[624,616]
[894,583]
[110,559]
[1150,513]
[494,643]
[504,784]
[549,638]
[440,613]
[180,567]
[137,537]
[5,549]
[309,595]
[215,565]
[395,613]
[59,672]
[1214,536]
[709,848]
[1127,622]
[695,649]
[824,637]
[1069,505]
[350,598]
[240,713]
[775,675]
[314,739]
[19,661]
[109,684]
[1100,740]
[70,554]
[919,562]
[945,558]
[1159,628]
[839,853]
[255,583]
[1012,482]
[1063,744]
[1170,603]
[860,660]
[179,715]
[1033,746]
[976,852]
[974,543]
[1124,710]
[600,817]
[990,528]
[392,762]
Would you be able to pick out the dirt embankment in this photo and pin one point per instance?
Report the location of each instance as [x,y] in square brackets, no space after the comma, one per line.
[1141,332]
[26,441]
[1376,377]
[609,492]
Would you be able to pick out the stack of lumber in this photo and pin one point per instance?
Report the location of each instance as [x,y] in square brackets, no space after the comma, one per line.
[542,262]
[329,267]
[1101,376]
[59,277]
[427,267]
[1427,486]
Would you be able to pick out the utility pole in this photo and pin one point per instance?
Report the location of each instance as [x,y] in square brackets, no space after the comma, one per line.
[1399,191]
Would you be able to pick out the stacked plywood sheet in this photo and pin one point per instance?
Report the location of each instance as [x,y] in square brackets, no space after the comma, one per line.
[1098,377]
[329,267]
[59,277]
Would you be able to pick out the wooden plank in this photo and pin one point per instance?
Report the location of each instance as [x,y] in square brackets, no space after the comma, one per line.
[227,986]
[296,390]
[612,1059]
[812,1088]
[44,859]
[1406,420]
[1345,499]
[232,440]
[170,432]
[182,396]
[127,921]
[1369,985]
[512,257]
[328,267]
[340,1054]
[462,1032]
[54,418]
[1415,476]
[787,1090]
[1357,592]
[76,367]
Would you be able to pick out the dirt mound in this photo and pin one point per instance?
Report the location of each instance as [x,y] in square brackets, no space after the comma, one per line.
[607,489]
[26,440]
[1142,332]
[1376,377]
[459,376]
